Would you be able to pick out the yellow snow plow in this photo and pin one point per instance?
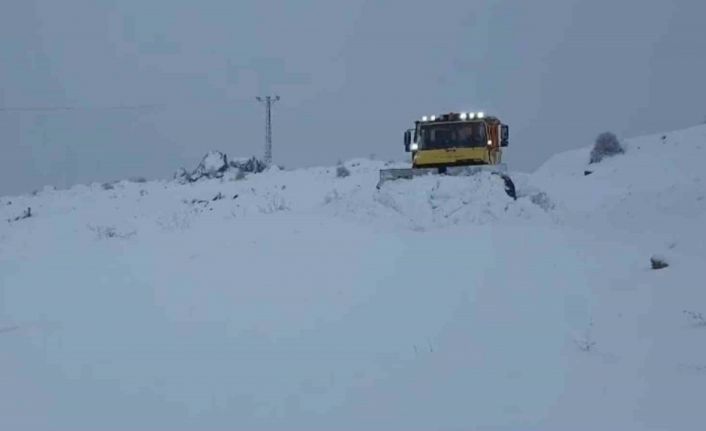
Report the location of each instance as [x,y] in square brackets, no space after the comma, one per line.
[458,144]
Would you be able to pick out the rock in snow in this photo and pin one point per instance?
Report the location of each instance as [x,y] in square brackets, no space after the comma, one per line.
[215,164]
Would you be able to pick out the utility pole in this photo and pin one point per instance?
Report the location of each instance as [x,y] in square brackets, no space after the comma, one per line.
[268,101]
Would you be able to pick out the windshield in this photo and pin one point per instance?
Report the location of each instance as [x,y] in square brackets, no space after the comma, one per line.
[452,135]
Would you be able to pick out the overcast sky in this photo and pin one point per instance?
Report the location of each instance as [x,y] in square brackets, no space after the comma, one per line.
[353,75]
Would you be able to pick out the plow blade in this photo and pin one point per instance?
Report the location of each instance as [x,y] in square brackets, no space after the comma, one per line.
[387,175]
[409,173]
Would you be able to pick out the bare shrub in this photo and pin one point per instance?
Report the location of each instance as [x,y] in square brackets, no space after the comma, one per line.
[178,221]
[274,204]
[584,340]
[182,176]
[658,262]
[106,232]
[342,171]
[252,165]
[331,197]
[695,318]
[607,145]
[25,215]
[585,344]
[542,200]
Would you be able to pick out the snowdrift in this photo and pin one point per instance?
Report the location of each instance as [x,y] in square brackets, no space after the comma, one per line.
[304,300]
[656,191]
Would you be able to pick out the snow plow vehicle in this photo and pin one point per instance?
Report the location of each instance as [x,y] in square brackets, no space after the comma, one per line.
[459,144]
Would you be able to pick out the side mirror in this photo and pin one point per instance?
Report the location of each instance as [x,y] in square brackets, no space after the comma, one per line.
[504,135]
[407,140]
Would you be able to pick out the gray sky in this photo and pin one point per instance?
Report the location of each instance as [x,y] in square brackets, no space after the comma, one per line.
[353,76]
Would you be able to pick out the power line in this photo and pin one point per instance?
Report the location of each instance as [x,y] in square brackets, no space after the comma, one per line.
[79,108]
[191,103]
[268,101]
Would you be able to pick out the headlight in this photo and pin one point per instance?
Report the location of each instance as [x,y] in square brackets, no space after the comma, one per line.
[425,118]
[433,118]
[463,116]
[414,146]
[481,115]
[490,143]
[471,115]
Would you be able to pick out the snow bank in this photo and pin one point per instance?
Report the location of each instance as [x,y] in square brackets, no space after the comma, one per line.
[434,202]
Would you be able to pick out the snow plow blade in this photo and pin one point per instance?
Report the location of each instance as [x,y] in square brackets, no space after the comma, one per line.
[409,173]
[387,175]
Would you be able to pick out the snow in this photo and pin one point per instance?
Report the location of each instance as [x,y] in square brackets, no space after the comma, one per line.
[299,300]
[212,163]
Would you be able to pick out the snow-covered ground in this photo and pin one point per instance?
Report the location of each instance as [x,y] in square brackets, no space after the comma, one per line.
[300,300]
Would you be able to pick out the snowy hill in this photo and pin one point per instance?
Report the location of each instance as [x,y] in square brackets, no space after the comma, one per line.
[301,300]
[657,191]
